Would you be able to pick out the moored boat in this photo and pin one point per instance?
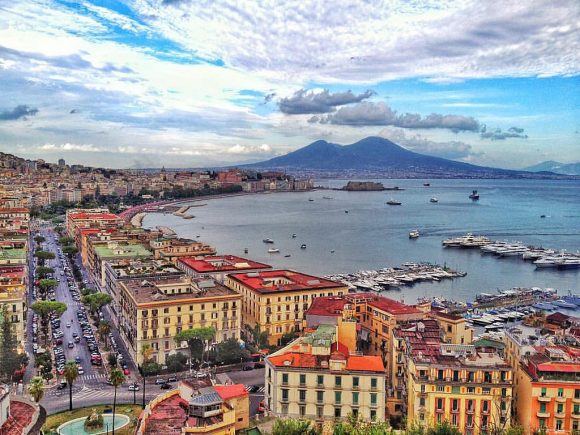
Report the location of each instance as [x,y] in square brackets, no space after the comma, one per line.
[414,234]
[273,250]
[393,202]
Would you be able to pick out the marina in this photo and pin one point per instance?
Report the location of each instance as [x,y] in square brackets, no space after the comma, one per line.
[392,278]
[541,257]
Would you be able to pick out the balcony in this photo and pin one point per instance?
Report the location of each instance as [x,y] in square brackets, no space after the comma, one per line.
[470,410]
[541,414]
[485,411]
[284,400]
[576,415]
[560,399]
[560,414]
[544,399]
[455,411]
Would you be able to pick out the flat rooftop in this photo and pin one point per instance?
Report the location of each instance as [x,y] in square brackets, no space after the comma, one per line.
[13,254]
[152,290]
[122,250]
[273,281]
[97,216]
[221,263]
[128,268]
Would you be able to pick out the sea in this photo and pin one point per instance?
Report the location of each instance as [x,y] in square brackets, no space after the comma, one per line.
[345,232]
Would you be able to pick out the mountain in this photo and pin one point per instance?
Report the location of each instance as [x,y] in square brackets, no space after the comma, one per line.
[556,167]
[376,155]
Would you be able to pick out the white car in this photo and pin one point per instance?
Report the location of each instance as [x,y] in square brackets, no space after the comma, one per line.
[68,324]
[81,371]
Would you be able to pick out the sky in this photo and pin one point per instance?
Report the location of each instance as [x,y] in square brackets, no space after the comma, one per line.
[192,83]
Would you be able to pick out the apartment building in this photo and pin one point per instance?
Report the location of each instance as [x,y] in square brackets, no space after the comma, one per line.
[277,300]
[172,249]
[90,218]
[13,288]
[321,376]
[152,311]
[217,267]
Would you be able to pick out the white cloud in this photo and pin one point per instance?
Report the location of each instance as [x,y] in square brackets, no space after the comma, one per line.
[245,149]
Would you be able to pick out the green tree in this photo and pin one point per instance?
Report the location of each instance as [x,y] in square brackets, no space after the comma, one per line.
[71,372]
[66,241]
[289,426]
[260,338]
[112,360]
[104,330]
[287,338]
[96,301]
[44,363]
[443,428]
[39,239]
[203,335]
[515,430]
[45,308]
[43,256]
[43,272]
[147,354]
[229,351]
[70,250]
[36,388]
[354,425]
[47,284]
[117,378]
[10,359]
[176,362]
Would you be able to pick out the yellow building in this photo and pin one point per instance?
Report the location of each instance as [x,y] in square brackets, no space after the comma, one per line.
[13,295]
[172,249]
[471,390]
[453,327]
[277,300]
[319,377]
[152,311]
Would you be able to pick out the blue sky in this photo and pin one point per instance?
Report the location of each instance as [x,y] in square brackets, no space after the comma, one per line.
[187,83]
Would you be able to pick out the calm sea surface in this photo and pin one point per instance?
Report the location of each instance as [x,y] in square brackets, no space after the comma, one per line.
[374,235]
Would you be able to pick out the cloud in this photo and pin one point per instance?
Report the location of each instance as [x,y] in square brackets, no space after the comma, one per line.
[498,134]
[455,150]
[247,149]
[21,111]
[368,113]
[71,147]
[305,102]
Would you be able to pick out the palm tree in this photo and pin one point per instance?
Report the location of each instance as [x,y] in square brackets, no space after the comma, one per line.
[71,372]
[147,353]
[36,388]
[103,330]
[117,378]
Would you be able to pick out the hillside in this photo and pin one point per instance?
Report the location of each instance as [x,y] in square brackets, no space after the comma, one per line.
[556,167]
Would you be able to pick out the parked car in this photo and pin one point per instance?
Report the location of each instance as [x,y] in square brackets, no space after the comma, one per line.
[62,385]
[247,368]
[165,386]
[133,387]
[172,379]
[160,381]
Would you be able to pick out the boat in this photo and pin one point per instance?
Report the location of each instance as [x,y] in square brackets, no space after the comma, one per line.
[332,251]
[346,211]
[303,246]
[434,199]
[245,250]
[188,216]
[543,216]
[293,236]
[268,241]
[474,196]
[273,251]
[287,255]
[414,234]
[563,304]
[393,202]
[311,200]
[327,197]
[426,184]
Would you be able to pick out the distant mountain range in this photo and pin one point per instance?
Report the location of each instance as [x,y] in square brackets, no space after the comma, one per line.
[556,167]
[377,156]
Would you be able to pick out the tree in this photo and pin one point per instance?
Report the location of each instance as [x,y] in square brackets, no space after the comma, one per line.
[45,308]
[104,330]
[36,388]
[96,300]
[66,241]
[43,272]
[112,360]
[43,256]
[289,426]
[39,239]
[47,284]
[443,428]
[259,337]
[355,425]
[146,353]
[176,362]
[44,363]
[70,250]
[229,351]
[287,338]
[71,372]
[203,335]
[117,378]
[11,359]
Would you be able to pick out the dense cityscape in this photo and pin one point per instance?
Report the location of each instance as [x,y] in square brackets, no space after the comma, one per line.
[98,310]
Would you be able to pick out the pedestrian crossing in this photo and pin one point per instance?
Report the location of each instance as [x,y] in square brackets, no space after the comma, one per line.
[253,390]
[93,376]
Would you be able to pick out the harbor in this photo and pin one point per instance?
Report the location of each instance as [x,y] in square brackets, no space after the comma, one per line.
[395,277]
[542,258]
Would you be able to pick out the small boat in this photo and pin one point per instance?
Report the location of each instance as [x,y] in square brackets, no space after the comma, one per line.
[311,200]
[393,202]
[287,255]
[563,304]
[268,241]
[303,246]
[332,251]
[426,184]
[346,211]
[543,216]
[474,196]
[434,199]
[327,197]
[273,251]
[293,236]
[414,234]
[245,250]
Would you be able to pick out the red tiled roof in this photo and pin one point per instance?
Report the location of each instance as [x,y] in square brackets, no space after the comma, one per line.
[327,306]
[230,391]
[221,263]
[559,367]
[392,306]
[14,210]
[99,216]
[262,281]
[353,363]
[448,316]
[365,363]
[297,360]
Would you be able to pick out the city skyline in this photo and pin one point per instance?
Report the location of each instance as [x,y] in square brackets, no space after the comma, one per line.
[177,83]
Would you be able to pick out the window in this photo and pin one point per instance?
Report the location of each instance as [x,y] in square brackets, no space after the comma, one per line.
[470,406]
[284,378]
[455,405]
[558,424]
[576,409]
[338,397]
[355,398]
[456,389]
[373,383]
[319,411]
[470,390]
[337,381]
[455,375]
[422,401]
[470,376]
[441,388]
[355,382]
[302,379]
[543,393]
[320,396]
[560,392]
[373,414]
[485,390]
[337,412]
[560,408]
[454,420]
[373,399]
[284,394]
[439,404]
[542,407]
[576,394]
[302,395]
[320,380]
[439,375]
[485,405]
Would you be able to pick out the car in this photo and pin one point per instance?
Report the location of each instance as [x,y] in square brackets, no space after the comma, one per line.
[126,372]
[77,339]
[78,359]
[71,344]
[199,375]
[62,385]
[57,341]
[160,381]
[133,387]
[247,368]
[165,386]
[81,371]
[68,325]
[259,365]
[172,379]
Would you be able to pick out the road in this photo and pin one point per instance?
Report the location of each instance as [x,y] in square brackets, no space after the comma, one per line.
[251,377]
